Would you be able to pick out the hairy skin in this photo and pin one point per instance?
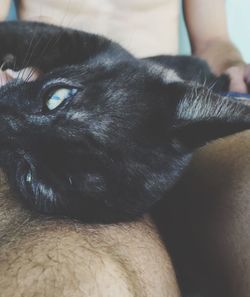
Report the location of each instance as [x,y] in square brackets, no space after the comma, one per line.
[43,257]
[221,173]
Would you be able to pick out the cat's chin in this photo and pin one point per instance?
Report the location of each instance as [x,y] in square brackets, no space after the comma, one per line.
[35,193]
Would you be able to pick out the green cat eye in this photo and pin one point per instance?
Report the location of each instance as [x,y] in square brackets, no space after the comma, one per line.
[56,98]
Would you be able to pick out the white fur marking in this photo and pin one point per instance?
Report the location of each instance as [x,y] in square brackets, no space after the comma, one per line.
[168,75]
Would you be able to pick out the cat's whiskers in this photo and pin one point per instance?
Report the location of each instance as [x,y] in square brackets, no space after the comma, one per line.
[62,23]
[32,52]
[29,51]
[44,49]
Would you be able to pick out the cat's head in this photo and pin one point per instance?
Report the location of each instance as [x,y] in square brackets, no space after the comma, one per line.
[77,140]
[104,139]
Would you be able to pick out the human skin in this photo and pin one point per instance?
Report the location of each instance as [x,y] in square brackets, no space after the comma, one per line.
[42,256]
[220,177]
[207,27]
[132,23]
[213,206]
[4,9]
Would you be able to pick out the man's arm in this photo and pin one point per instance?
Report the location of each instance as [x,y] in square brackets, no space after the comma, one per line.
[207,27]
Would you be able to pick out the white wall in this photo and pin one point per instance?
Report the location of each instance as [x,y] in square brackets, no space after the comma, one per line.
[238,12]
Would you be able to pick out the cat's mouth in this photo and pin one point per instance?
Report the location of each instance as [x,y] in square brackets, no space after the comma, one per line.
[26,74]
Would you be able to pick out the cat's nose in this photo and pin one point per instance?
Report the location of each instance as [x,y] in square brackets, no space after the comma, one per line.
[25,74]
[4,78]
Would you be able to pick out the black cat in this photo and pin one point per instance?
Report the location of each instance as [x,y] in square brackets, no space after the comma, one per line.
[102,135]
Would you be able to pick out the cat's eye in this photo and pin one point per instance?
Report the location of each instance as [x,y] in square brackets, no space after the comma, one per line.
[28,176]
[59,96]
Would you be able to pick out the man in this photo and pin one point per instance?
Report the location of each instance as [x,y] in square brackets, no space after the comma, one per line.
[145,27]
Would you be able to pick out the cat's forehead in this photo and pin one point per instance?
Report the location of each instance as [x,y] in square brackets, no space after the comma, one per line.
[99,66]
[87,76]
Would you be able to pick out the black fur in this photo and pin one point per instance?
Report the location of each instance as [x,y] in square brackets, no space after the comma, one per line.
[122,141]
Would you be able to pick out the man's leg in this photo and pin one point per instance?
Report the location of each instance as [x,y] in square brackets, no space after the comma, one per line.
[206,223]
[50,257]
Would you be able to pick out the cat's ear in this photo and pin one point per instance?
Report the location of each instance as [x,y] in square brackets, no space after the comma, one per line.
[202,116]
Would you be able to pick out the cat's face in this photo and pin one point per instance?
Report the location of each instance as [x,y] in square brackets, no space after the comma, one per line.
[91,140]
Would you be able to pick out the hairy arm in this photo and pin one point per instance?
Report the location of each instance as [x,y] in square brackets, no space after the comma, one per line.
[207,27]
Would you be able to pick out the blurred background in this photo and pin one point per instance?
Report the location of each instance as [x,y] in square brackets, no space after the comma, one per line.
[238,13]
